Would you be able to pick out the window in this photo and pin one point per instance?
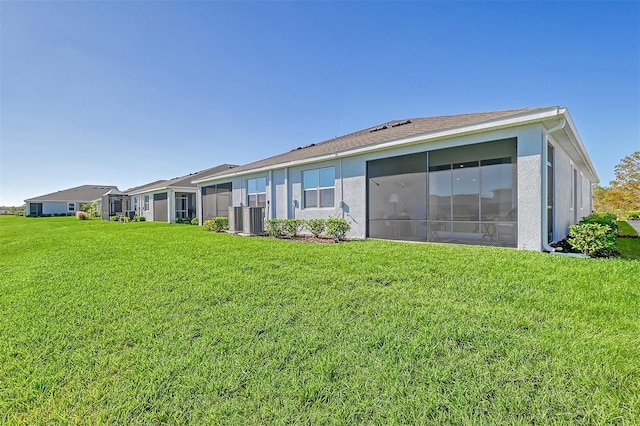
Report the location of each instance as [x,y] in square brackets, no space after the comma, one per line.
[319,187]
[573,188]
[72,207]
[581,190]
[257,192]
[135,204]
[146,202]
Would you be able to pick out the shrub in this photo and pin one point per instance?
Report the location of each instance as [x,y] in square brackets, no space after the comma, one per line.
[217,224]
[593,239]
[125,219]
[82,215]
[194,221]
[337,228]
[275,227]
[634,215]
[139,219]
[114,218]
[292,227]
[179,220]
[316,226]
[606,219]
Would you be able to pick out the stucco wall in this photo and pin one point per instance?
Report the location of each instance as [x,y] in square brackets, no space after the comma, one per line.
[565,212]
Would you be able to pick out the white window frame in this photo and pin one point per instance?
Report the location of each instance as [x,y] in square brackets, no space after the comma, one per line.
[573,187]
[146,202]
[318,188]
[257,193]
[581,189]
[71,207]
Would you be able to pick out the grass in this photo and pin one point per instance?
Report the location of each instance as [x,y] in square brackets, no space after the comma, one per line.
[147,323]
[629,248]
[625,229]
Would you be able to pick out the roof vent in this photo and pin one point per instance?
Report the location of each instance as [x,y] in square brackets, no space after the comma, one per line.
[402,123]
[377,129]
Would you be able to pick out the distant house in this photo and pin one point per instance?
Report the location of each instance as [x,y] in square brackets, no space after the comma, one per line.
[168,200]
[66,201]
[514,178]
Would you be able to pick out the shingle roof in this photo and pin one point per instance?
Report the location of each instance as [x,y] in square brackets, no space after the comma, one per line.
[385,132]
[79,193]
[181,181]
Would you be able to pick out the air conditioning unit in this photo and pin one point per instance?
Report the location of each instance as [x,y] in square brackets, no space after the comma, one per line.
[253,220]
[235,219]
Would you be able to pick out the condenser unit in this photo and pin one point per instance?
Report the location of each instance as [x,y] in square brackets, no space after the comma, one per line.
[253,220]
[235,219]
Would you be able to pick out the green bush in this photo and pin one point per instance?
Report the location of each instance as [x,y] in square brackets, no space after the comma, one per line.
[606,219]
[194,221]
[139,219]
[125,219]
[337,228]
[633,215]
[292,227]
[217,224]
[316,226]
[593,239]
[179,220]
[114,218]
[275,227]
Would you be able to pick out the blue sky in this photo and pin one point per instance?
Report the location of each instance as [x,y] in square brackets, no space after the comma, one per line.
[126,93]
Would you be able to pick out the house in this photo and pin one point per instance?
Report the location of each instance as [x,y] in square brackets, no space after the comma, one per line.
[514,178]
[66,201]
[168,200]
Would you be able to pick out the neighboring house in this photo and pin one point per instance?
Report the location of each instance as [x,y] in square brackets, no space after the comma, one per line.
[515,178]
[168,200]
[67,201]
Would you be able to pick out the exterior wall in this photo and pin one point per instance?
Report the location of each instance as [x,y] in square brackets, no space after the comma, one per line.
[566,213]
[529,188]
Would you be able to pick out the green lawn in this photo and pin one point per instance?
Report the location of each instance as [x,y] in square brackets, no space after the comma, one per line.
[143,323]
[625,229]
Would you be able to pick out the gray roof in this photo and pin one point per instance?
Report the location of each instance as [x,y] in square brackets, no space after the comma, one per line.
[83,193]
[385,132]
[140,188]
[182,181]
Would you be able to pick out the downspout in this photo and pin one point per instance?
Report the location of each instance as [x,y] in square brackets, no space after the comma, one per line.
[271,196]
[545,192]
[341,189]
[286,192]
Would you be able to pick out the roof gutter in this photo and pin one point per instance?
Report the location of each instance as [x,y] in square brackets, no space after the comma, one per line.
[545,191]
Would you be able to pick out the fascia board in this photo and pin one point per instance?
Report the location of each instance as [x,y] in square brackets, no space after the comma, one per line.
[576,140]
[498,124]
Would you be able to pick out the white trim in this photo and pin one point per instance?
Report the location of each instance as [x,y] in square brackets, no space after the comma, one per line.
[497,124]
[166,188]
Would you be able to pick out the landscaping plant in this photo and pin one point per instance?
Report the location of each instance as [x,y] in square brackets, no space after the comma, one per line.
[316,226]
[292,227]
[337,228]
[275,228]
[217,224]
[593,239]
